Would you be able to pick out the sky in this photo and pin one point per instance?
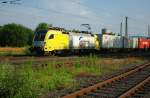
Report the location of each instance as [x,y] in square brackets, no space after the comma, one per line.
[70,14]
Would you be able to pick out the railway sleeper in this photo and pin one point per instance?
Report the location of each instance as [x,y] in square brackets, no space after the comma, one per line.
[113,93]
[99,95]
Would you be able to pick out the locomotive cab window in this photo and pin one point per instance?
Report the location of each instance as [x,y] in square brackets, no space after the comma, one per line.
[51,36]
[40,35]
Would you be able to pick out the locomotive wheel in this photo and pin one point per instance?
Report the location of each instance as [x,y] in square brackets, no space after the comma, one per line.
[52,53]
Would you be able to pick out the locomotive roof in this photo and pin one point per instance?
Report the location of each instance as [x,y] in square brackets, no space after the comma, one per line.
[56,28]
[67,31]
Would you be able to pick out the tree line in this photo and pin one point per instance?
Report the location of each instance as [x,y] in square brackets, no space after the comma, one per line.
[17,35]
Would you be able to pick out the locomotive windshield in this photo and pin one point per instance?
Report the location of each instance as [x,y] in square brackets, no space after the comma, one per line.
[40,35]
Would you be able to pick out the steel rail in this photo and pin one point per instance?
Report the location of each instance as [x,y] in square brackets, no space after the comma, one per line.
[93,88]
[133,90]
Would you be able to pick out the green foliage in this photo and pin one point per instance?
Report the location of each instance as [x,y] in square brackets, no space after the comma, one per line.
[90,67]
[41,26]
[28,81]
[32,81]
[16,83]
[29,51]
[77,65]
[15,35]
[0,35]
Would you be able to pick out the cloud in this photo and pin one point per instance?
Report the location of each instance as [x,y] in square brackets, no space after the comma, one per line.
[71,8]
[70,13]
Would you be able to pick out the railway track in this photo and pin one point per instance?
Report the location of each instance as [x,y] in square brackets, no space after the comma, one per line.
[134,83]
[24,59]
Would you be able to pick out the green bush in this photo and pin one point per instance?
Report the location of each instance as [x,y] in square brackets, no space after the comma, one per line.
[27,81]
[41,26]
[16,83]
[15,35]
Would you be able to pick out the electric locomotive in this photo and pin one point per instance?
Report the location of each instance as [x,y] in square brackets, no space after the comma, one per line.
[58,40]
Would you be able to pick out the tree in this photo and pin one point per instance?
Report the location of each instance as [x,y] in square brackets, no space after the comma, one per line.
[30,36]
[42,26]
[15,35]
[0,35]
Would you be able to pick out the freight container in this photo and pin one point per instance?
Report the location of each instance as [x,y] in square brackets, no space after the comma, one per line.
[130,43]
[110,41]
[144,43]
[82,41]
[148,43]
[135,43]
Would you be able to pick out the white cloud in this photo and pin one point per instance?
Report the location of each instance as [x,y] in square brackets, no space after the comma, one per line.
[67,13]
[71,8]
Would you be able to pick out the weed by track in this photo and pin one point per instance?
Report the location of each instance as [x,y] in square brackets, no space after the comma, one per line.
[30,81]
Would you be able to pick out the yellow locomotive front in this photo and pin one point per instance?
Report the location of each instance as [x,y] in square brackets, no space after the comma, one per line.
[50,41]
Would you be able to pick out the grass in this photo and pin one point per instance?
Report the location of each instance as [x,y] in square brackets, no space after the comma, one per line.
[13,51]
[100,66]
[15,83]
[28,81]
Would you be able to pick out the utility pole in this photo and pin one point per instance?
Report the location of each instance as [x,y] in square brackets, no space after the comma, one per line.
[121,29]
[125,44]
[126,27]
[148,30]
